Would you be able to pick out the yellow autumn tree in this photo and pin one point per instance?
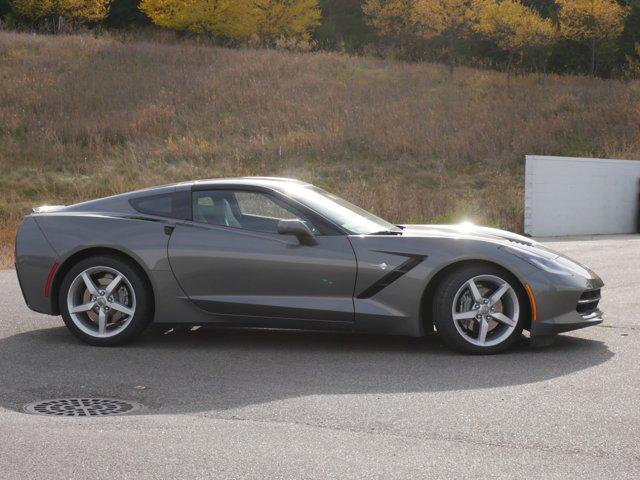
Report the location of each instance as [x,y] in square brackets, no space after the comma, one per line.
[591,21]
[393,20]
[228,18]
[285,19]
[237,19]
[33,9]
[513,26]
[74,11]
[450,19]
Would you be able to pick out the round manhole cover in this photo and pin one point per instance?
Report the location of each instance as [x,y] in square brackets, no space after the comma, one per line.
[82,407]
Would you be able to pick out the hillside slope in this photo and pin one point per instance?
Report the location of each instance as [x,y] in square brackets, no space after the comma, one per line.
[83,117]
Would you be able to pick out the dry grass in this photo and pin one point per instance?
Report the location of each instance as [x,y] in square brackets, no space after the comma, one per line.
[82,117]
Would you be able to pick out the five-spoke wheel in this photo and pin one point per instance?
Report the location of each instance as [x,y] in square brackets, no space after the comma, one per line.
[478,309]
[485,310]
[104,300]
[101,301]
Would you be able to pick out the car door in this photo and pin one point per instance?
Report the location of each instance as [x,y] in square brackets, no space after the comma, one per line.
[231,262]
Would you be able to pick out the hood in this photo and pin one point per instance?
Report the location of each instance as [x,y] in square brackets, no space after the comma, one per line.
[475,232]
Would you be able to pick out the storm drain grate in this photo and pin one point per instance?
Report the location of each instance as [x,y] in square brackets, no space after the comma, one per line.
[82,407]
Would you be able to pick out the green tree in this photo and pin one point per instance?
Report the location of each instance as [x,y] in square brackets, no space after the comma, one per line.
[591,21]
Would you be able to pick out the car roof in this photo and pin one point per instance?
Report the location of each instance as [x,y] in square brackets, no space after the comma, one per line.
[273,182]
[117,202]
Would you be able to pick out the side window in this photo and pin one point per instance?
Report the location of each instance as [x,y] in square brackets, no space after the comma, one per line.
[214,207]
[172,205]
[254,211]
[258,204]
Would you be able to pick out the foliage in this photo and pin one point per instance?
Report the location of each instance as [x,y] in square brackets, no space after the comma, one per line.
[407,24]
[343,26]
[33,9]
[450,19]
[586,19]
[237,19]
[285,19]
[392,20]
[227,18]
[126,14]
[486,33]
[438,17]
[5,7]
[632,67]
[591,21]
[513,26]
[76,11]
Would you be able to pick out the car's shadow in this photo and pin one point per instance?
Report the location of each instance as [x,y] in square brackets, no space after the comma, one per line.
[213,370]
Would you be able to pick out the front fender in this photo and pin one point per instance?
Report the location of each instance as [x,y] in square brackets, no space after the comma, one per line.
[397,308]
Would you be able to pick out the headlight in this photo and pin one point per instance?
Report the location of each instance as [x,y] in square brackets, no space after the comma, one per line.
[557,266]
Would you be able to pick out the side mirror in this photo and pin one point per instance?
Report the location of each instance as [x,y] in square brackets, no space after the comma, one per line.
[299,229]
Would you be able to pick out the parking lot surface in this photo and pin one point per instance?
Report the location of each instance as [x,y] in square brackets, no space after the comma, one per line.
[233,404]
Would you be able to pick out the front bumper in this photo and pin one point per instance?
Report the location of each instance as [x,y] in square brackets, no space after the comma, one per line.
[560,302]
[566,323]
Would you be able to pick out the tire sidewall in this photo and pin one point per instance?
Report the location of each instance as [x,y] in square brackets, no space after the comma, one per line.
[443,301]
[144,307]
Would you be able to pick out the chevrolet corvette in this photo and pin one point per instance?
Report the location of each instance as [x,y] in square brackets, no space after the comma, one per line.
[276,253]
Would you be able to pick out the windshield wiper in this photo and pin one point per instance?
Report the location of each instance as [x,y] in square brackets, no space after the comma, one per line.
[387,232]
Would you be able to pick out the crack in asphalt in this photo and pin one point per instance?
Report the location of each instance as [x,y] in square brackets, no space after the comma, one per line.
[608,326]
[438,438]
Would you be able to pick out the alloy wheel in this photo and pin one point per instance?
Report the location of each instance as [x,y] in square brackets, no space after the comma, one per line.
[101,301]
[485,310]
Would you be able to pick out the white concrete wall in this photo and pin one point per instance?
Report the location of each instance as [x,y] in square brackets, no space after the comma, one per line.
[580,196]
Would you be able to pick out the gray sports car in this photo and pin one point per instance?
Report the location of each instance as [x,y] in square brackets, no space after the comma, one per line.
[280,253]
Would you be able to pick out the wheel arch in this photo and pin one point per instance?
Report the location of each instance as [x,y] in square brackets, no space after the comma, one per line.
[77,256]
[426,301]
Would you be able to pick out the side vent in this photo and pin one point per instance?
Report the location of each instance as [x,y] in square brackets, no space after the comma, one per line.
[392,276]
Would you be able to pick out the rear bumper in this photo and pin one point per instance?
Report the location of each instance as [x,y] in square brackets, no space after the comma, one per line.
[34,260]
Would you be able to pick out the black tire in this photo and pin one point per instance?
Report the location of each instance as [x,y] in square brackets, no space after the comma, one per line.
[144,300]
[444,298]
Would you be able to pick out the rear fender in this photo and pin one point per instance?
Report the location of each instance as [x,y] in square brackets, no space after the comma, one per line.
[35,260]
[74,236]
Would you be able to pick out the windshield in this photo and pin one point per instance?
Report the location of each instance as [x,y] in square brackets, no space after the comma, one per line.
[350,217]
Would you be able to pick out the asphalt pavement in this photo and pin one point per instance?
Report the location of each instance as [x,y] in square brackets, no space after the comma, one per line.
[245,405]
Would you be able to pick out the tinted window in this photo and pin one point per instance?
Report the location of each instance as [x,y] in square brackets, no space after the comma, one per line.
[255,211]
[173,205]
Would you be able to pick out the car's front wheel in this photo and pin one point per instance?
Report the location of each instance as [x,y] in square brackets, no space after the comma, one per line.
[105,301]
[479,309]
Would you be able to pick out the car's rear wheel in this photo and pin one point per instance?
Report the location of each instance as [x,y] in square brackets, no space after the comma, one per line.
[479,309]
[105,301]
